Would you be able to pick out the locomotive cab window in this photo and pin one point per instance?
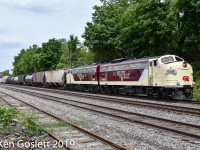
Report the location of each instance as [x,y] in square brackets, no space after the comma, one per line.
[178,58]
[155,62]
[167,59]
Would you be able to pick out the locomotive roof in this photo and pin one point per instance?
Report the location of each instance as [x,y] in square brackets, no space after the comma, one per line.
[88,66]
[131,60]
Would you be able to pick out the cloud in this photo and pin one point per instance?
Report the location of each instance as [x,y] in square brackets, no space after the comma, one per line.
[33,6]
[28,22]
[10,44]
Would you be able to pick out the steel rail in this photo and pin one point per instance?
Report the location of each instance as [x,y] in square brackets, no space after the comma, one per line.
[120,114]
[85,131]
[49,133]
[165,107]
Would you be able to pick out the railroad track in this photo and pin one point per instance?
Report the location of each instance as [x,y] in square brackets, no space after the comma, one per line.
[192,101]
[80,137]
[158,106]
[181,128]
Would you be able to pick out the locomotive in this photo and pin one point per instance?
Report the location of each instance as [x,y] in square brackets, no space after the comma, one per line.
[167,76]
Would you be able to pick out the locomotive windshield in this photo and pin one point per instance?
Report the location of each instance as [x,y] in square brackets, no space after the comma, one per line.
[167,59]
[178,58]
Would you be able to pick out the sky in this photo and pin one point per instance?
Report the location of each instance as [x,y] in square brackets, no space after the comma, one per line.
[27,22]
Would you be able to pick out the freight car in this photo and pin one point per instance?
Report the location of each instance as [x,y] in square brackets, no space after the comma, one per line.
[5,79]
[21,79]
[29,79]
[16,80]
[1,79]
[39,78]
[55,78]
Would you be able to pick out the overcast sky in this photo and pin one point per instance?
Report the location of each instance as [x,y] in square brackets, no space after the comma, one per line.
[27,22]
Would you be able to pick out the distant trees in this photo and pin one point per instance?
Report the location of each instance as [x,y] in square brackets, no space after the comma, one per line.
[5,73]
[54,54]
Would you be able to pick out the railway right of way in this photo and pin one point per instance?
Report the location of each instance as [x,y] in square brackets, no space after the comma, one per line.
[151,105]
[184,129]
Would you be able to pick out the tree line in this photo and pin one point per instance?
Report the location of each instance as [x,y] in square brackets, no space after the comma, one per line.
[54,54]
[123,28]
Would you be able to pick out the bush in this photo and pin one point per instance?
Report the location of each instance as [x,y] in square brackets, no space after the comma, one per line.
[197,90]
[7,115]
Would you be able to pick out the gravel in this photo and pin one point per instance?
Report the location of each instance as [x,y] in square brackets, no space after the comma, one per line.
[132,135]
[136,109]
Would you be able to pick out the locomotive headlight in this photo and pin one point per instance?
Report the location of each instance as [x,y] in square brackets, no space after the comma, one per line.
[184,64]
[171,71]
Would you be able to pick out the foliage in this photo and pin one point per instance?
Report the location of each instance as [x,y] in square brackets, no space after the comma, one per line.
[136,28]
[101,35]
[7,114]
[5,73]
[26,121]
[70,52]
[54,54]
[197,90]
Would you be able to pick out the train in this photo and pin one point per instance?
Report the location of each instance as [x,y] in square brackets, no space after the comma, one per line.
[167,77]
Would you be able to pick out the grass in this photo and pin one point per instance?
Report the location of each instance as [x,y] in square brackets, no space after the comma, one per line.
[82,123]
[51,127]
[10,115]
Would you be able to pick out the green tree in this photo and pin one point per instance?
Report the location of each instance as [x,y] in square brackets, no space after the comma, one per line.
[101,35]
[5,73]
[49,55]
[70,52]
[146,28]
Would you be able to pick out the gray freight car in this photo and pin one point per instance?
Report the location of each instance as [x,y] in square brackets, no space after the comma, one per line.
[9,80]
[12,80]
[1,78]
[21,79]
[16,80]
[39,78]
[29,80]
[5,79]
[55,78]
